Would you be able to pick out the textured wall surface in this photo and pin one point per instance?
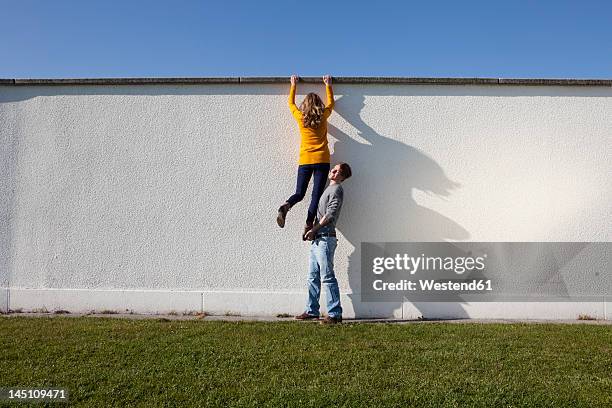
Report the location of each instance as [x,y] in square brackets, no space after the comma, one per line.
[175,187]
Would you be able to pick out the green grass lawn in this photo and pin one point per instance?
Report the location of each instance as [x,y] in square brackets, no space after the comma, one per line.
[119,362]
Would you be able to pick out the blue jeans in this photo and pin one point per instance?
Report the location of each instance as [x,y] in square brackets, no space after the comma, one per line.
[305,172]
[322,264]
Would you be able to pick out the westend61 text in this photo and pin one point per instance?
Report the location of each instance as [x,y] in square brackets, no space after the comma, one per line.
[433,285]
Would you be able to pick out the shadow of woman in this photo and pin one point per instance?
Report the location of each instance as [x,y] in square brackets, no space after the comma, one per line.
[380,206]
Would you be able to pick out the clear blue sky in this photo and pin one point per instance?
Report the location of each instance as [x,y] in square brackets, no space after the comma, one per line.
[124,38]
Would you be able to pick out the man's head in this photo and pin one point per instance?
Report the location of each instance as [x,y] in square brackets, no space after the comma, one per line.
[340,172]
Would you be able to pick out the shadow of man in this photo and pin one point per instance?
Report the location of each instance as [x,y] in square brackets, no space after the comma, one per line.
[380,206]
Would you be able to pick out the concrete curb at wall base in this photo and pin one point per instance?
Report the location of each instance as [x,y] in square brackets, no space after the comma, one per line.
[284,319]
[84,300]
[507,310]
[272,303]
[285,80]
[253,303]
[4,300]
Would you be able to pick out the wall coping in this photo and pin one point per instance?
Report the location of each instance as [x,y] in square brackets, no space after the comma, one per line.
[285,80]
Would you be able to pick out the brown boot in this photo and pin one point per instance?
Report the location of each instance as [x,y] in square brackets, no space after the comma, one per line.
[282,213]
[331,320]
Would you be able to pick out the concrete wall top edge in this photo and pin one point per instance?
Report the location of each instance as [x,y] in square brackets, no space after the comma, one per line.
[283,80]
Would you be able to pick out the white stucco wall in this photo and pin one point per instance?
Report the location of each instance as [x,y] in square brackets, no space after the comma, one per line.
[108,193]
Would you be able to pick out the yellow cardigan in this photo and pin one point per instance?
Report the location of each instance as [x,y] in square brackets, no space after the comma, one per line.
[313,144]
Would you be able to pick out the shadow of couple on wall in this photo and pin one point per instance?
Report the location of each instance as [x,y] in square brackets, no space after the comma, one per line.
[379,204]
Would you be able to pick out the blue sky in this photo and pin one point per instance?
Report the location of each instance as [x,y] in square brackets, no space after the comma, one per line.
[76,39]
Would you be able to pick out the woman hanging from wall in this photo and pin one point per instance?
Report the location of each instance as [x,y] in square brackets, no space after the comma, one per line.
[314,159]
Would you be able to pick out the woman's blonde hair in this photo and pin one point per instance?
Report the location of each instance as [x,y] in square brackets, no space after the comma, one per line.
[312,111]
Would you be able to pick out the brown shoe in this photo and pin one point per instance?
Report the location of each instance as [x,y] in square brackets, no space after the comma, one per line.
[332,320]
[282,214]
[306,316]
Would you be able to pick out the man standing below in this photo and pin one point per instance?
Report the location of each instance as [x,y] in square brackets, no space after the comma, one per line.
[323,237]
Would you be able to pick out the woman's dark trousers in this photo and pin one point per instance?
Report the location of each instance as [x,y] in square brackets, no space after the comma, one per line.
[305,172]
